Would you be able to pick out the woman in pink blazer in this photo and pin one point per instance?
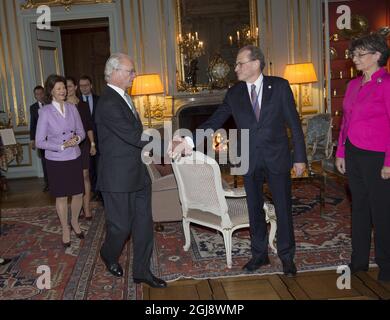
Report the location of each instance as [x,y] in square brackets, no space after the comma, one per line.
[363,153]
[59,132]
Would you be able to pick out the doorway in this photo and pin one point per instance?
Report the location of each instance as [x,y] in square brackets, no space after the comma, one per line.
[72,48]
[85,49]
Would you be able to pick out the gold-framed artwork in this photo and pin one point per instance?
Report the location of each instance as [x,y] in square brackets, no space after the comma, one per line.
[32,4]
[205,28]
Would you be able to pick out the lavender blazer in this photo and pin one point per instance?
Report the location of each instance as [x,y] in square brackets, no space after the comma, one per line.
[53,130]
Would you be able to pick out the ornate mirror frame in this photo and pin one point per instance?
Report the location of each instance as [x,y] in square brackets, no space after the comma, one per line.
[180,65]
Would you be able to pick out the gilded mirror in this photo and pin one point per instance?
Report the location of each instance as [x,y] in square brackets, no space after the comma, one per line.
[209,34]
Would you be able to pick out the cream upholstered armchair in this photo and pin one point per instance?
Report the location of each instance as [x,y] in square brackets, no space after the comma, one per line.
[165,197]
[206,203]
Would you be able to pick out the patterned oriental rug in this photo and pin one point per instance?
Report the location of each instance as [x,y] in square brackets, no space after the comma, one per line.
[32,237]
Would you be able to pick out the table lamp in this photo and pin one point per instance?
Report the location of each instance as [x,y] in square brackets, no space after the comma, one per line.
[300,73]
[147,84]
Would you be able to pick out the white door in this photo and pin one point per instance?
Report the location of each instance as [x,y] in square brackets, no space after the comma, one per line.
[47,52]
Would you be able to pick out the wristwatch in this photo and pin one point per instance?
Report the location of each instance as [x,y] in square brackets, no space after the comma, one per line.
[93,144]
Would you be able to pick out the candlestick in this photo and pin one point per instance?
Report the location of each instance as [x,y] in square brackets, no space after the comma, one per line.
[231,40]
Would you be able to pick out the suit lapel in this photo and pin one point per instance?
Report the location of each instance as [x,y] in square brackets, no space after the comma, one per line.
[266,98]
[245,102]
[125,106]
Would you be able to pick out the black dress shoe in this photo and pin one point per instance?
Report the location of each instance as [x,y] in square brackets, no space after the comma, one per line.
[4,261]
[78,235]
[289,269]
[255,263]
[152,281]
[114,268]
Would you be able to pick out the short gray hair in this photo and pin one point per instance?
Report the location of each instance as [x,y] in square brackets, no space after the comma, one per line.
[255,54]
[113,63]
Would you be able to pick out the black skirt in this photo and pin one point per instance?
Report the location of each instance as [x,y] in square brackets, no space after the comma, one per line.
[65,177]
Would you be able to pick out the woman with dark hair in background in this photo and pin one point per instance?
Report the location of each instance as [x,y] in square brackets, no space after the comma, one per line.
[88,147]
[59,132]
[363,153]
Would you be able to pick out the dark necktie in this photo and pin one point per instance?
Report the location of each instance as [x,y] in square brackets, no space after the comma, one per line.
[255,102]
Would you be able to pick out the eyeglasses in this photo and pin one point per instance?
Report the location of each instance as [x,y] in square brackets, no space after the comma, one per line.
[239,64]
[132,71]
[359,55]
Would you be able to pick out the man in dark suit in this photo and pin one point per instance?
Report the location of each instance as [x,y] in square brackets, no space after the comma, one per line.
[39,94]
[264,105]
[123,178]
[87,95]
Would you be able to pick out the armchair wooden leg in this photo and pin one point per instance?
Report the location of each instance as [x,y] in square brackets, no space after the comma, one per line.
[159,227]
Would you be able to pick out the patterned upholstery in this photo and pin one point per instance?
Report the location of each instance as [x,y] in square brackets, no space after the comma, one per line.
[205,202]
[319,144]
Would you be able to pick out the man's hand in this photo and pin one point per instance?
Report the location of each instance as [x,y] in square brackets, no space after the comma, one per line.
[385,173]
[178,147]
[33,144]
[340,165]
[299,168]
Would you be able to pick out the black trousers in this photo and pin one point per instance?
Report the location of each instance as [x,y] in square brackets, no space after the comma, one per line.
[280,187]
[370,208]
[129,214]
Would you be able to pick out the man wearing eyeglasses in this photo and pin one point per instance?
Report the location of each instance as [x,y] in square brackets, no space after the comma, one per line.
[123,178]
[264,105]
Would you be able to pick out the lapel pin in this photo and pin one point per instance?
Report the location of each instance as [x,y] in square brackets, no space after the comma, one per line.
[269,87]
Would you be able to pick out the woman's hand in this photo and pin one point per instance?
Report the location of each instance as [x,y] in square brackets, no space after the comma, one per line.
[340,165]
[385,173]
[71,142]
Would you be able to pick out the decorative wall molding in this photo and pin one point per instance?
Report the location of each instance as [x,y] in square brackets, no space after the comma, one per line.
[32,4]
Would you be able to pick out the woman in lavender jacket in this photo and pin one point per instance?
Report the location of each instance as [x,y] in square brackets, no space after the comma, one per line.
[59,132]
[364,153]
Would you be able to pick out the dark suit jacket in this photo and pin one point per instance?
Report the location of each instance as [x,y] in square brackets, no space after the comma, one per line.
[33,119]
[95,99]
[120,168]
[268,137]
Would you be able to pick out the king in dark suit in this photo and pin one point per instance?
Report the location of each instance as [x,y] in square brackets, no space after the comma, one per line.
[123,178]
[265,106]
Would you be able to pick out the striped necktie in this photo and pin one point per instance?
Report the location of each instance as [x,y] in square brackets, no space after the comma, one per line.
[255,102]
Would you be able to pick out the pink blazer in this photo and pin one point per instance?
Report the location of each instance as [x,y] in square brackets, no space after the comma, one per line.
[366,115]
[53,130]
